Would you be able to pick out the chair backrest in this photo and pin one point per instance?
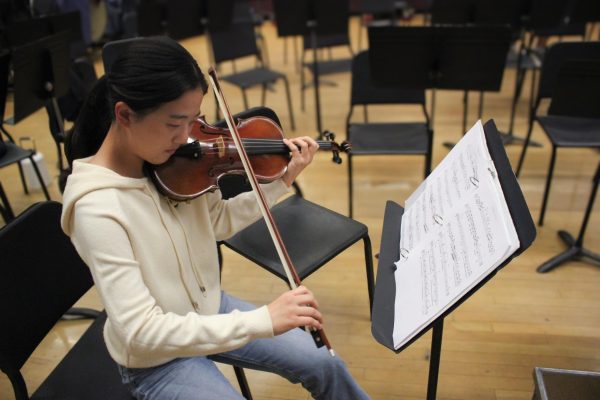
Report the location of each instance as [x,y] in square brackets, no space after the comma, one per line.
[42,276]
[556,56]
[291,17]
[184,18]
[549,14]
[577,92]
[150,17]
[476,12]
[238,41]
[365,91]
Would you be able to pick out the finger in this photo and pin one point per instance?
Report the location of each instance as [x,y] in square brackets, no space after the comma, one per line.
[309,322]
[310,312]
[306,300]
[292,146]
[312,143]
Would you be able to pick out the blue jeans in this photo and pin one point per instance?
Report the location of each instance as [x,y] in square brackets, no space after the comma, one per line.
[292,355]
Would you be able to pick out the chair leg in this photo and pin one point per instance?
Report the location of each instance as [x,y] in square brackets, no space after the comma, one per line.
[302,88]
[548,182]
[429,155]
[350,188]
[369,267]
[289,101]
[22,175]
[5,209]
[243,382]
[525,145]
[263,95]
[245,99]
[39,176]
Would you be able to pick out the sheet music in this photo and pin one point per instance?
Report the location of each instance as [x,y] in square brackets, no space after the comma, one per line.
[456,229]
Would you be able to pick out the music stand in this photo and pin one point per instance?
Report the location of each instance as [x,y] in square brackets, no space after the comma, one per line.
[41,75]
[440,57]
[312,18]
[26,31]
[385,287]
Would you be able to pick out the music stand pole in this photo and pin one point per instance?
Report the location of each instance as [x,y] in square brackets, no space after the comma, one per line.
[434,359]
[312,25]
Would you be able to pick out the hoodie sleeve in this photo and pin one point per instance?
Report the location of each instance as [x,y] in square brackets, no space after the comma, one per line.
[136,320]
[230,216]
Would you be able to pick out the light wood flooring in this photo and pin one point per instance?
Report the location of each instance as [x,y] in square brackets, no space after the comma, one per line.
[519,320]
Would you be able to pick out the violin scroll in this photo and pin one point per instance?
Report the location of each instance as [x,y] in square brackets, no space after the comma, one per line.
[336,148]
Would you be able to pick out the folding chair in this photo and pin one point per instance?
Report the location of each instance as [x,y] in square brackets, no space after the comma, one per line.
[38,288]
[239,41]
[570,78]
[313,235]
[370,138]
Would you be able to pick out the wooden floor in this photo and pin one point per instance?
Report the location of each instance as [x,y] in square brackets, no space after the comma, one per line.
[520,320]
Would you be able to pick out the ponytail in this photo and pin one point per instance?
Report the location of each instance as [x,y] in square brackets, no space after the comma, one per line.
[92,124]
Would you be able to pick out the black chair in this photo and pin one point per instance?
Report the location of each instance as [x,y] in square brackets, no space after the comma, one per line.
[313,234]
[330,31]
[373,11]
[239,41]
[570,77]
[369,138]
[12,154]
[38,288]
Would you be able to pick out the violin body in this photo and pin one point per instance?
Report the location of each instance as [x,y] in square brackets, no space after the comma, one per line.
[197,167]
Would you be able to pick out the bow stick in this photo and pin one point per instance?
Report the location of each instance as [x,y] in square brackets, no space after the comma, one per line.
[293,279]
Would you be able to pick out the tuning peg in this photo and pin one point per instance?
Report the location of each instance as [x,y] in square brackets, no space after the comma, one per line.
[329,135]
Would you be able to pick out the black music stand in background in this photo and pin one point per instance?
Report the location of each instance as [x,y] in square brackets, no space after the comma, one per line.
[576,249]
[382,325]
[41,74]
[312,18]
[440,57]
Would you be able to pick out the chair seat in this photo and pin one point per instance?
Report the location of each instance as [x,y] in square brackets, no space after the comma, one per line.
[331,233]
[87,371]
[330,66]
[570,131]
[13,154]
[389,138]
[253,77]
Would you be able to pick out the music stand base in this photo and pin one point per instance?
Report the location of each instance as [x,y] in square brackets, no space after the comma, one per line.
[573,252]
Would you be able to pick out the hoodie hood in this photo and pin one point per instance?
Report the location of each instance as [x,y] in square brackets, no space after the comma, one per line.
[87,178]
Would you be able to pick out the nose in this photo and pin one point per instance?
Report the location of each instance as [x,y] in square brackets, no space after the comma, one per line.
[183,135]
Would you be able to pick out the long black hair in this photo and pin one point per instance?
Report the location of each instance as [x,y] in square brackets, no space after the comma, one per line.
[152,71]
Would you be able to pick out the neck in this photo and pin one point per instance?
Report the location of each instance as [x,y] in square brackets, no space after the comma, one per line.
[114,154]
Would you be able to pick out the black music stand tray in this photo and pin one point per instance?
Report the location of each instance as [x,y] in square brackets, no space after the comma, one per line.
[385,287]
[446,57]
[576,249]
[309,18]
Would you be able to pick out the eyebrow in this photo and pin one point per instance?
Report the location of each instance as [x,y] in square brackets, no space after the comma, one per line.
[180,116]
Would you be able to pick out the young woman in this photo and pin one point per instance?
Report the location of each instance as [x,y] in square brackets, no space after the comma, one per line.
[155,263]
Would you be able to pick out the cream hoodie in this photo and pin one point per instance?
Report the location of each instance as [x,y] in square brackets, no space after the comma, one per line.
[155,265]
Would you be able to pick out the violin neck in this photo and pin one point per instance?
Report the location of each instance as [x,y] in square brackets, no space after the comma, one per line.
[268,146]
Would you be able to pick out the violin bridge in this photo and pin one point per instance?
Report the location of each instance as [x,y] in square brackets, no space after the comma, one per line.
[220,145]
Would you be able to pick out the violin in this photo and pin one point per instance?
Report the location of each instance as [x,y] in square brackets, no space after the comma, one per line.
[196,167]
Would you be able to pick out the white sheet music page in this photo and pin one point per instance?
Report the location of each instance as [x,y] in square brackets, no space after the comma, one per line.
[456,229]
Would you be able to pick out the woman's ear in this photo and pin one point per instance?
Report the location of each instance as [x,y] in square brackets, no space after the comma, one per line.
[123,114]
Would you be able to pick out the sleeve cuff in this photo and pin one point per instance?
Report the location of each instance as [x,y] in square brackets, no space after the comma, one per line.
[260,323]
